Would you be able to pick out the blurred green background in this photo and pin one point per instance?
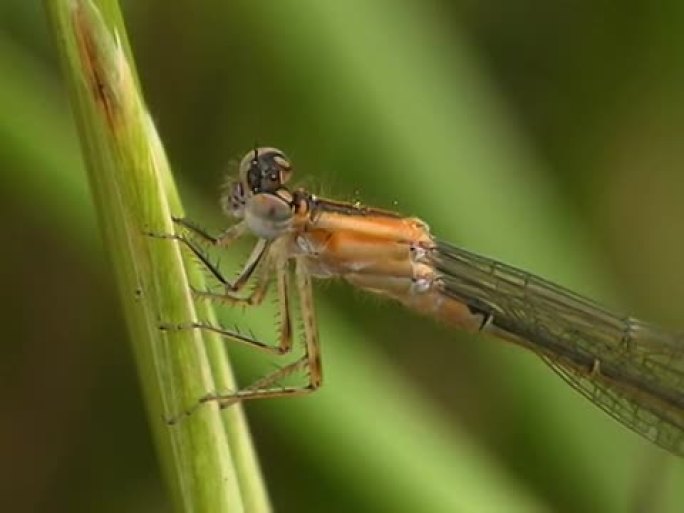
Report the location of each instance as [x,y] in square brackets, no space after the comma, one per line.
[546,135]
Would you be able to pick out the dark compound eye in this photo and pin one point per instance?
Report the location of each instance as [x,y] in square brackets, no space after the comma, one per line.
[265,170]
[254,177]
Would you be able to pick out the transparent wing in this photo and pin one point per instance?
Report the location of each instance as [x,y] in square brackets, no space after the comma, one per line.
[631,369]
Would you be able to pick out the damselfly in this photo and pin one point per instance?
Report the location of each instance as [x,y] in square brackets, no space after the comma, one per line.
[631,369]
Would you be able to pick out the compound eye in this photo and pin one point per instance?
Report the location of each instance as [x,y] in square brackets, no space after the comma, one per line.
[264,170]
[270,176]
[253,177]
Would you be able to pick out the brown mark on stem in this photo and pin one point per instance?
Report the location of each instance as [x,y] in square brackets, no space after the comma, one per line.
[98,51]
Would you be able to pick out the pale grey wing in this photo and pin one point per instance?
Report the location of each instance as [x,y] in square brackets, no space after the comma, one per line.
[632,370]
[659,426]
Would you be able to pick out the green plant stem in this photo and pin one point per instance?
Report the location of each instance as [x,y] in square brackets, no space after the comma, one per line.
[207,458]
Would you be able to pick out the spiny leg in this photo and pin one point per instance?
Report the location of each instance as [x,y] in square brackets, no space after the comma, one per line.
[258,252]
[260,257]
[310,361]
[223,239]
[254,298]
[236,231]
[285,328]
[260,387]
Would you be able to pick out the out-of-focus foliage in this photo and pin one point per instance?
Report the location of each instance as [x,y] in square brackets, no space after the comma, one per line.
[545,135]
